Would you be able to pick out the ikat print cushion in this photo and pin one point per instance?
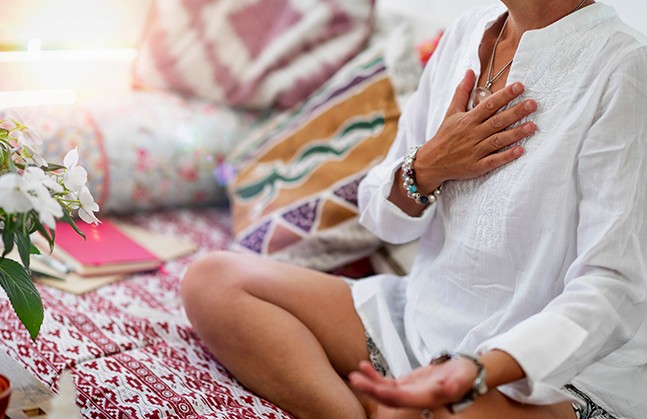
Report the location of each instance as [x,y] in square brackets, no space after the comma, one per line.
[250,53]
[294,196]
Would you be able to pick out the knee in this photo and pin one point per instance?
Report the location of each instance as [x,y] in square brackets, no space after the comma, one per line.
[209,279]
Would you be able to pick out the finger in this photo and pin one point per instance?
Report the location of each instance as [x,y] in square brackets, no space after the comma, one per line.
[508,117]
[499,159]
[369,371]
[498,100]
[367,386]
[361,382]
[399,397]
[502,139]
[385,391]
[386,394]
[462,94]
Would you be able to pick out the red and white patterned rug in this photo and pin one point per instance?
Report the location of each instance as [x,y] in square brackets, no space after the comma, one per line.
[128,345]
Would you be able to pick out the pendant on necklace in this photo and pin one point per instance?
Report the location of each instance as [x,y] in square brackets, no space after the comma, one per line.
[480,94]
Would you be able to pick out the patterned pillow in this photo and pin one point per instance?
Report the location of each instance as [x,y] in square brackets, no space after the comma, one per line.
[162,150]
[144,150]
[64,127]
[294,196]
[250,53]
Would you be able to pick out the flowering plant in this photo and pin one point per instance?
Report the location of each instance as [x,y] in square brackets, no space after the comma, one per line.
[33,195]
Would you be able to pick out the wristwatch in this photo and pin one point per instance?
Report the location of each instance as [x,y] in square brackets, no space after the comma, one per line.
[479,387]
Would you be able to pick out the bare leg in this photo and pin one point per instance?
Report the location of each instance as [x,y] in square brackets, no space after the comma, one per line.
[492,405]
[287,333]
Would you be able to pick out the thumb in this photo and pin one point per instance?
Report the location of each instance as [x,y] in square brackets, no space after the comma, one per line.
[462,93]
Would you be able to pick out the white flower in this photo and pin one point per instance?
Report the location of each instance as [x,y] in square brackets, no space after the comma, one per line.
[47,207]
[75,176]
[32,156]
[28,137]
[36,185]
[14,197]
[88,207]
[23,133]
[36,174]
[22,194]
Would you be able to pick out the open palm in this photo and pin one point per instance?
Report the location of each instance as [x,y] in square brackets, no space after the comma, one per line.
[430,386]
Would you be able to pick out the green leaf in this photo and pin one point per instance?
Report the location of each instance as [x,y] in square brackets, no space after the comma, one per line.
[7,240]
[11,165]
[23,295]
[24,247]
[47,234]
[33,249]
[69,220]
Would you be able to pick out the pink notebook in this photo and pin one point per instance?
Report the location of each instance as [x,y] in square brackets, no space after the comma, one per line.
[106,250]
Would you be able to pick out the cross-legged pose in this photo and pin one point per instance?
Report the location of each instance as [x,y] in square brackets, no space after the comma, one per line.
[519,165]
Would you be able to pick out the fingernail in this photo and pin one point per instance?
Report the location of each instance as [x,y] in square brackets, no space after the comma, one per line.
[517,88]
[517,151]
[530,105]
[528,128]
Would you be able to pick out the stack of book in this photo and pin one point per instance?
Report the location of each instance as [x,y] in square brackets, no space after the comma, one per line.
[110,251]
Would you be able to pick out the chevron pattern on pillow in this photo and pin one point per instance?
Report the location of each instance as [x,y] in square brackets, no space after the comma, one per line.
[250,53]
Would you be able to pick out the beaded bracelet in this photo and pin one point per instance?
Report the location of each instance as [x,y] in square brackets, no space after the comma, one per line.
[409,182]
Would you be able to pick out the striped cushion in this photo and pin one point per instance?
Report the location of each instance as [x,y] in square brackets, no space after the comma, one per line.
[250,53]
[295,193]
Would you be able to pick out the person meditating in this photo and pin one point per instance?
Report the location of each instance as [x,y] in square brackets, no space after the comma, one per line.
[519,165]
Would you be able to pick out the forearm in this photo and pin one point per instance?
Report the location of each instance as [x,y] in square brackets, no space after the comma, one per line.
[501,368]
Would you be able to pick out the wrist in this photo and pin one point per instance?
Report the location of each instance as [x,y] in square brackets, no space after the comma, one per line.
[478,385]
[398,196]
[428,176]
[502,368]
[492,369]
[410,181]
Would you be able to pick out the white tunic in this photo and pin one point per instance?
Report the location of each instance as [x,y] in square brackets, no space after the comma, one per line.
[545,258]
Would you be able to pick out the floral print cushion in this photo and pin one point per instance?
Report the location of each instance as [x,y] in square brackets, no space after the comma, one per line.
[144,150]
[63,128]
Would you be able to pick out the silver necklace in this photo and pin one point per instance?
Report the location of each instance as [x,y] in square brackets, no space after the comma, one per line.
[482,93]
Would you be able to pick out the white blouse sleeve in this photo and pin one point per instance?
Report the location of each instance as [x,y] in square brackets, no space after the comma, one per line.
[377,213]
[604,302]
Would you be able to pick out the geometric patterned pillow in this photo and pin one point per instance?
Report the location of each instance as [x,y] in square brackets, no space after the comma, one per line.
[294,196]
[250,53]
